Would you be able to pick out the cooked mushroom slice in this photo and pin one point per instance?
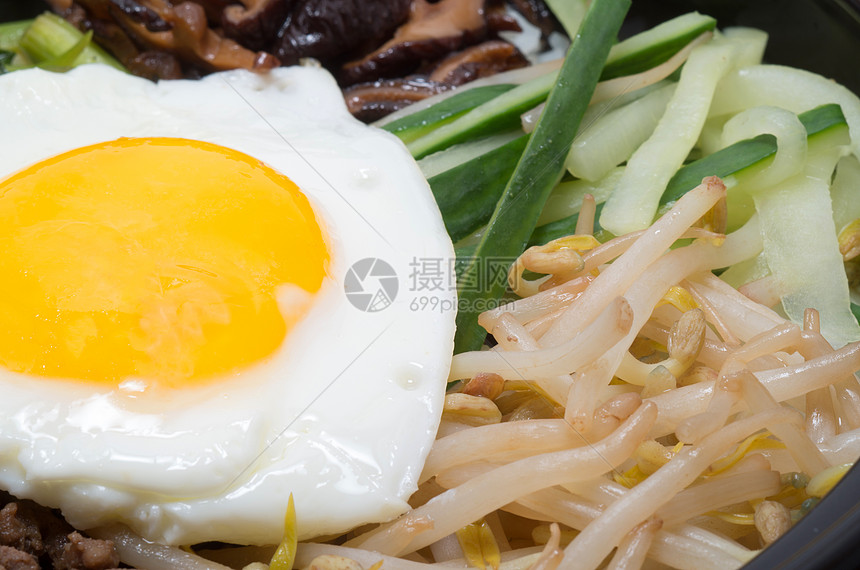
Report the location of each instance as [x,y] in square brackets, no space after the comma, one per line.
[432,31]
[478,61]
[499,19]
[255,23]
[106,11]
[191,39]
[537,12]
[142,14]
[155,65]
[96,15]
[332,30]
[215,8]
[371,101]
[59,6]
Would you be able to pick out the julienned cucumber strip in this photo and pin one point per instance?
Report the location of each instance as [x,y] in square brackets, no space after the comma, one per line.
[636,54]
[467,194]
[743,154]
[413,126]
[454,156]
[538,171]
[498,114]
[728,161]
[653,47]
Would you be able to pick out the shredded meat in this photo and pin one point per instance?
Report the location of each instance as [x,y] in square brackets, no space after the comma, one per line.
[89,553]
[14,559]
[32,536]
[19,532]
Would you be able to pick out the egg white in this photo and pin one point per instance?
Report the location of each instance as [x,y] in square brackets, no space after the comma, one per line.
[341,416]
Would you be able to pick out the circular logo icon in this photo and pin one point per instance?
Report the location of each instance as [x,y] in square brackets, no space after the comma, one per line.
[370,285]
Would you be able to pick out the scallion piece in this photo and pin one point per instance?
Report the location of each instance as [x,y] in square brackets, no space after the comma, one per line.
[11,32]
[50,37]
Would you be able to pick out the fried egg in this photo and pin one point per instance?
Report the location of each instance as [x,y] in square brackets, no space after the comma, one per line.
[205,305]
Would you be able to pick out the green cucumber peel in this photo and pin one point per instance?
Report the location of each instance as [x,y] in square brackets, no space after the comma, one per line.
[538,170]
[655,46]
[468,193]
[413,126]
[732,160]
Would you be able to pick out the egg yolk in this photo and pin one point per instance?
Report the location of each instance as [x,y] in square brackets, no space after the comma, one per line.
[154,258]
